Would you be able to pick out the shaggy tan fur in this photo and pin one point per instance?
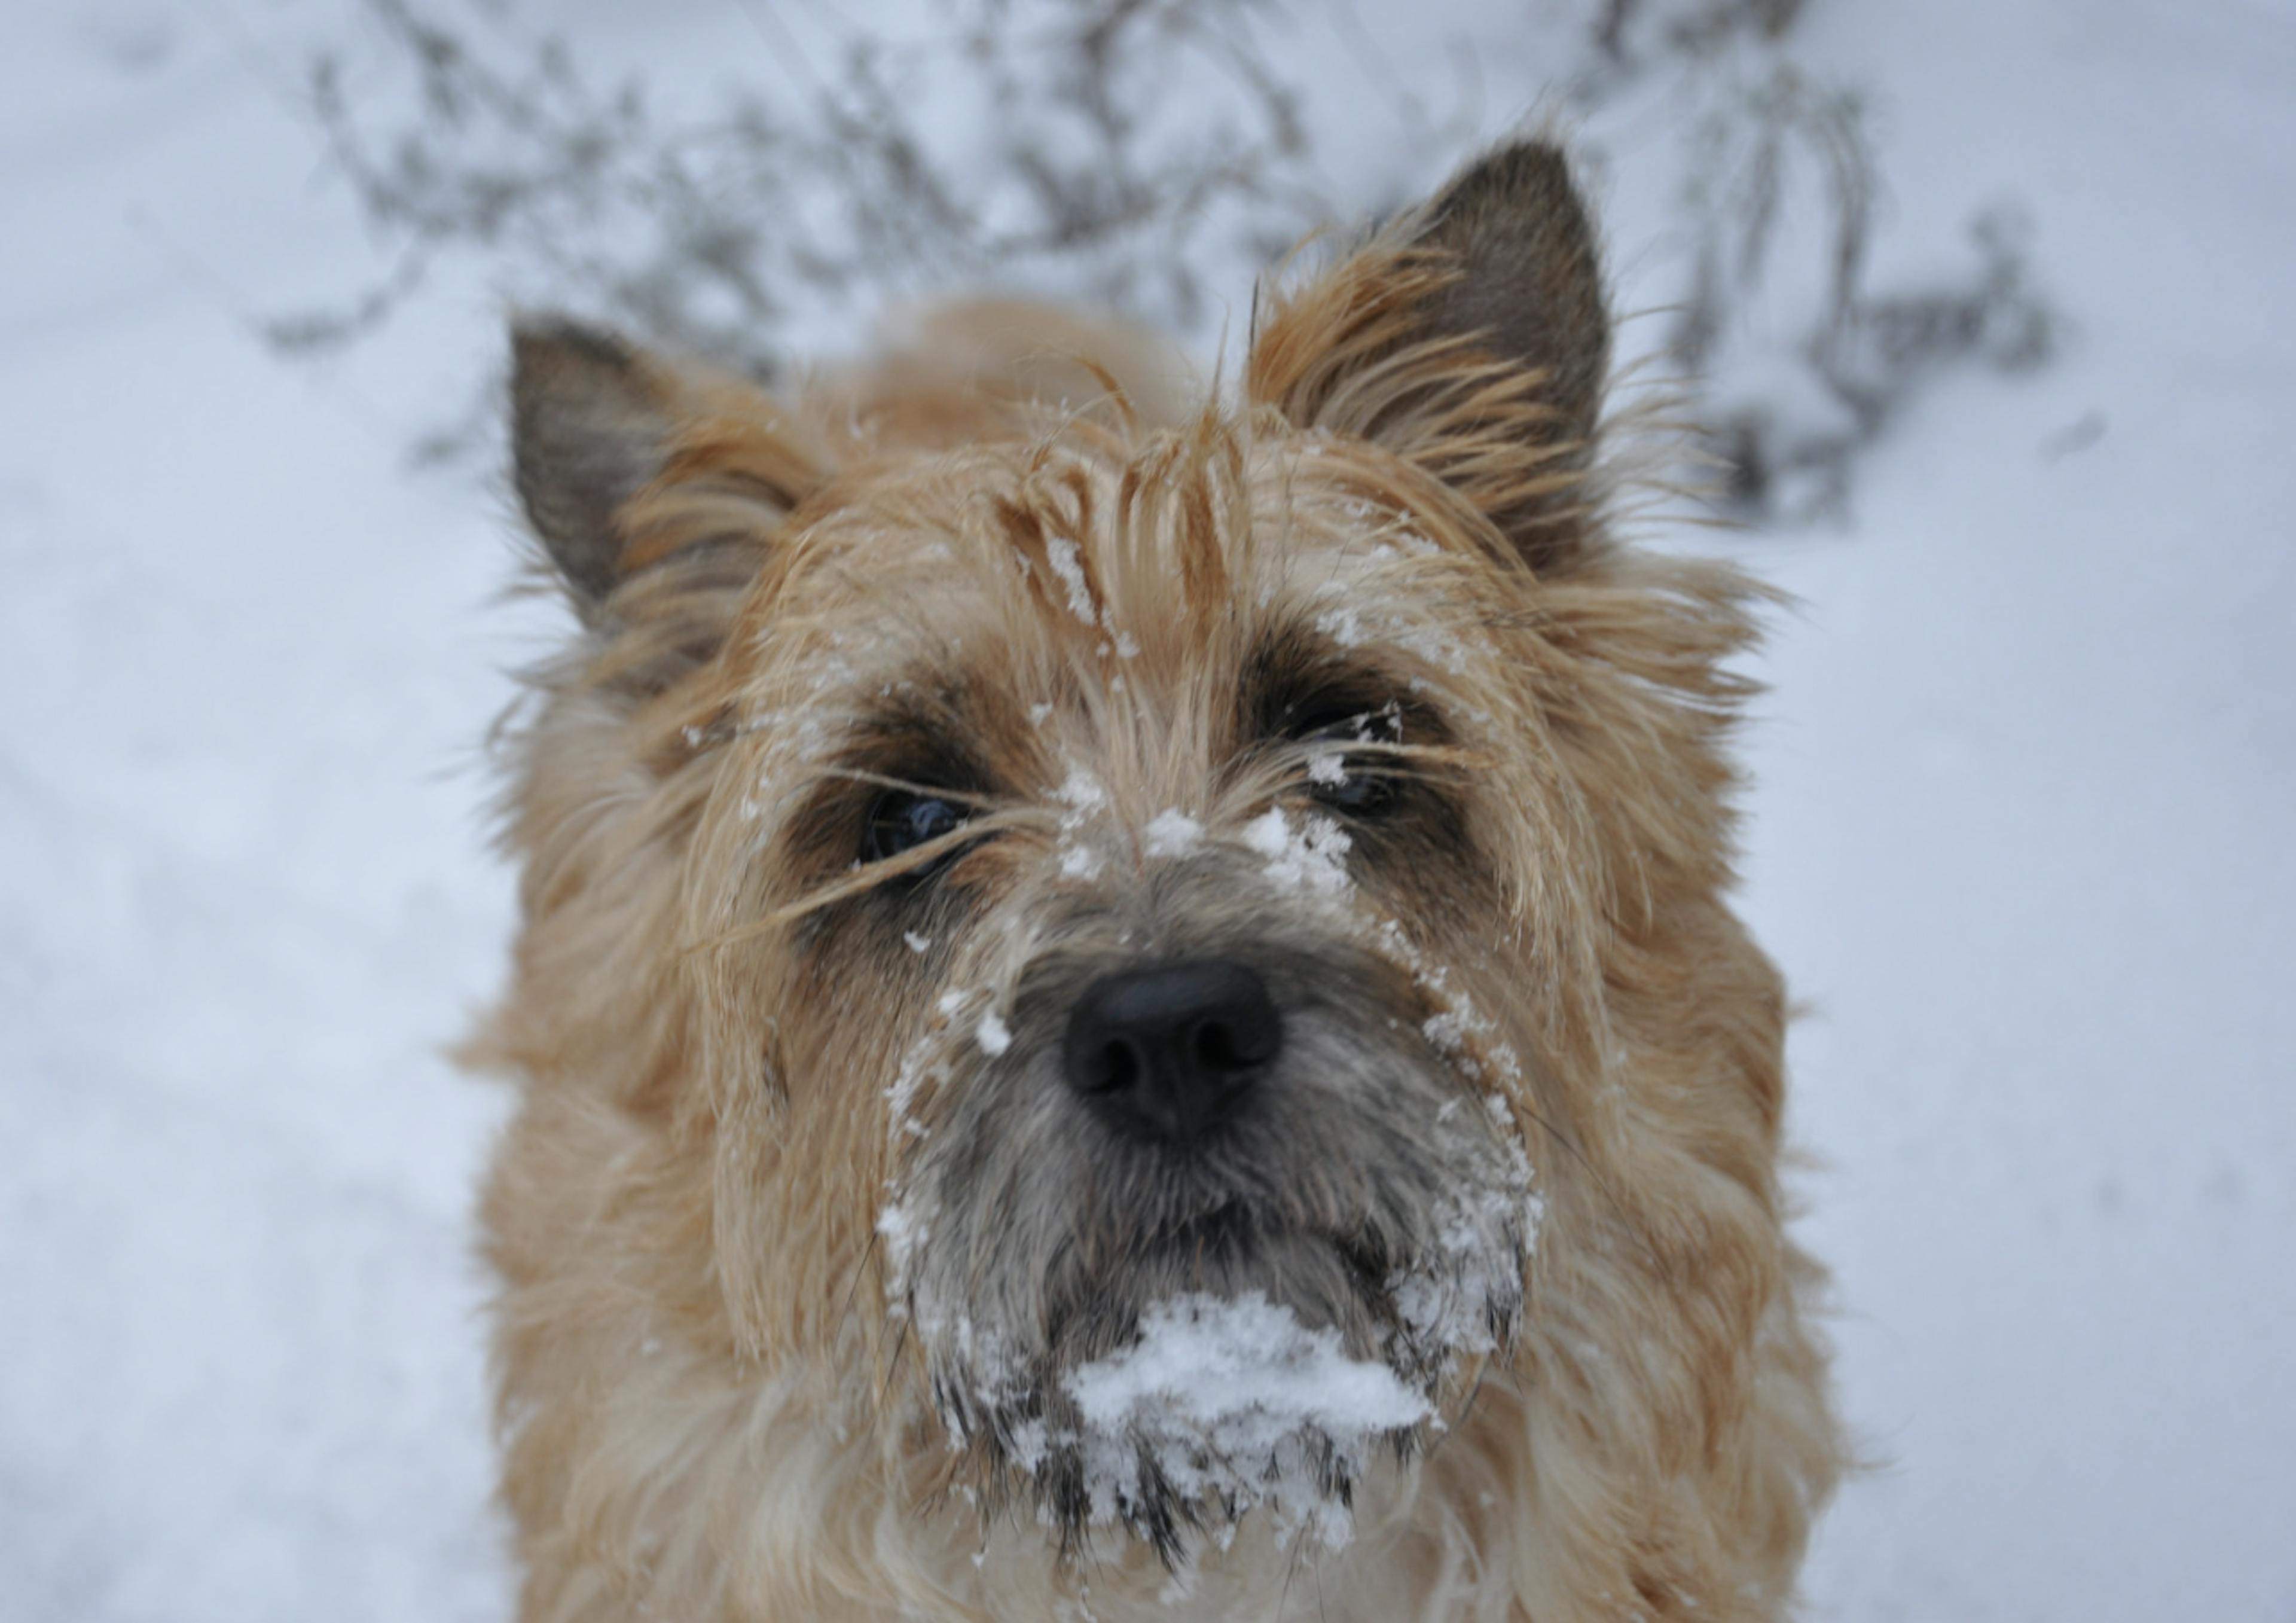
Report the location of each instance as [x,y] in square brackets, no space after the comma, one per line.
[713,1403]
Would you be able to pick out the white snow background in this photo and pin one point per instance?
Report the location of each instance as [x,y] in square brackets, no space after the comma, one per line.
[2023,835]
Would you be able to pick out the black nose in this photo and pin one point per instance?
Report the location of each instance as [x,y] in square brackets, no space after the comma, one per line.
[1171,1052]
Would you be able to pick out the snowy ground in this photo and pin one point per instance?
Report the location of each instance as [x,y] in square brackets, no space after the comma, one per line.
[2028,785]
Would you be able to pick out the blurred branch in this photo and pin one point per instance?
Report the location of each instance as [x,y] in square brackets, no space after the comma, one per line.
[698,234]
[1132,153]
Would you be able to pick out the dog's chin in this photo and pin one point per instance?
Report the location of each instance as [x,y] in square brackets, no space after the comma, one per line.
[1228,1365]
[1328,1282]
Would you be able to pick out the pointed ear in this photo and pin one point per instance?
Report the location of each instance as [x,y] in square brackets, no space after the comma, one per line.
[591,420]
[1530,279]
[1471,336]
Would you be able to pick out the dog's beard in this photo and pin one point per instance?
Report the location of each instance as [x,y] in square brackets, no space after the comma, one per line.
[1124,1336]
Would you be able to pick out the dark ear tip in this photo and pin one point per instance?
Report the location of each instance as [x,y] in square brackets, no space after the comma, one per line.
[1533,175]
[546,331]
[1531,160]
[548,348]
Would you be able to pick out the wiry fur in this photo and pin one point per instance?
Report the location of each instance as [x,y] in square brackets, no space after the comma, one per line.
[724,1392]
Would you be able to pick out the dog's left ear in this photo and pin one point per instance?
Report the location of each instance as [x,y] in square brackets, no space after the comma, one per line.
[591,420]
[1470,336]
[655,486]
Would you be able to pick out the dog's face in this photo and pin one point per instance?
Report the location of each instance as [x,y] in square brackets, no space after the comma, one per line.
[1132,867]
[1136,935]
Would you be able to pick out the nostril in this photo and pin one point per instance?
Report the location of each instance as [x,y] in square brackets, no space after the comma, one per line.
[1216,1048]
[1118,1069]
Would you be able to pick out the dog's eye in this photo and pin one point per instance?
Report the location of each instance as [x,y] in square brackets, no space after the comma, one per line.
[902,820]
[1360,782]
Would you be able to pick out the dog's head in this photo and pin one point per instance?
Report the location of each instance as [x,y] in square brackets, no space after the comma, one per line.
[1147,939]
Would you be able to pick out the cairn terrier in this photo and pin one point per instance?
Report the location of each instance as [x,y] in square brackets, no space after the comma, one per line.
[1126,1005]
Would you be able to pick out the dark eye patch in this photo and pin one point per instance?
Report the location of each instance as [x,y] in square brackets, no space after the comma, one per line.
[1297,691]
[904,776]
[913,786]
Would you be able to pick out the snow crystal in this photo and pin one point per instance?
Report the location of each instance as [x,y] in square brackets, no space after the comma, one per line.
[1172,833]
[1067,563]
[1210,1363]
[914,942]
[1082,791]
[1344,625]
[1446,1301]
[992,1034]
[1443,1313]
[1312,856]
[1235,1400]
[917,1069]
[902,1231]
[1447,1031]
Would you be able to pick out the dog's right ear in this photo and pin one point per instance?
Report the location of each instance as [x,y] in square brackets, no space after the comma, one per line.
[1470,337]
[591,425]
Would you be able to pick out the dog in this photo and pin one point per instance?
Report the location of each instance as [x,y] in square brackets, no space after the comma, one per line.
[1125,1004]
